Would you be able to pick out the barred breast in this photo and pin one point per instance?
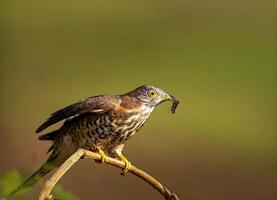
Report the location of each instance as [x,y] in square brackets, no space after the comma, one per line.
[106,130]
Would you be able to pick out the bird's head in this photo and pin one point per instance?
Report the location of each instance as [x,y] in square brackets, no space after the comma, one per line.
[151,95]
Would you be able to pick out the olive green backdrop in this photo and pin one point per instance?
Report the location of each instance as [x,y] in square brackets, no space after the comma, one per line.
[218,57]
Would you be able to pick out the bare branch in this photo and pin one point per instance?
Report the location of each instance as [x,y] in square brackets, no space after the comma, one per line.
[49,185]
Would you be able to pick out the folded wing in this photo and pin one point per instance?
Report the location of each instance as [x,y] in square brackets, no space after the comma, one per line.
[96,104]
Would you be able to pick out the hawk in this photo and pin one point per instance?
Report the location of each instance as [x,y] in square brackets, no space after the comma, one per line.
[100,123]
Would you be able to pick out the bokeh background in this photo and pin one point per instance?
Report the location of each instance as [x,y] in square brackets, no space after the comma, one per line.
[218,57]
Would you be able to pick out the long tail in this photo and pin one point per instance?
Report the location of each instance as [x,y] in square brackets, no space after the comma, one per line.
[61,149]
[34,178]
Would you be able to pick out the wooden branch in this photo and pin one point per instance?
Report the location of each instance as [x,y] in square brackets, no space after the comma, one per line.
[49,185]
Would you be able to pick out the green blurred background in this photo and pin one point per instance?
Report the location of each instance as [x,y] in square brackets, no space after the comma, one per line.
[218,57]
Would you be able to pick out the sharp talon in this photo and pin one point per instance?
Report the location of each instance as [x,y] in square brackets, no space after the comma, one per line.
[128,165]
[103,155]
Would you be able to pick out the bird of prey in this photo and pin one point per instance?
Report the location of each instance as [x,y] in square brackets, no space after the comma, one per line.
[100,123]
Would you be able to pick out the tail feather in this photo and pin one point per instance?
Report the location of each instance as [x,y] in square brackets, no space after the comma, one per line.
[34,178]
[50,136]
[62,148]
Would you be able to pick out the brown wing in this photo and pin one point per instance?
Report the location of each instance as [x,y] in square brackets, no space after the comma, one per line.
[94,104]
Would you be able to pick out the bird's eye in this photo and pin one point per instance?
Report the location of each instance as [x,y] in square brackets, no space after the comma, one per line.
[152,93]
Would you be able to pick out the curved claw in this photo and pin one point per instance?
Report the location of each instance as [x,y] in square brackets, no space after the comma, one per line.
[128,164]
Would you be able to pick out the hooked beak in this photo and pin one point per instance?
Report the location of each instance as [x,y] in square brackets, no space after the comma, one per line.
[175,103]
[168,97]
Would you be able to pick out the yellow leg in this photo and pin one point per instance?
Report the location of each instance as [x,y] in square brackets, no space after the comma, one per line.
[103,155]
[127,163]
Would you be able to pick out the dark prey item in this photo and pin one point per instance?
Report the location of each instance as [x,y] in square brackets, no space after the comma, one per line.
[174,105]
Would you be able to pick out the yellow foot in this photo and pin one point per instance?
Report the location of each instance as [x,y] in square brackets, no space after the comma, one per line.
[104,158]
[127,164]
